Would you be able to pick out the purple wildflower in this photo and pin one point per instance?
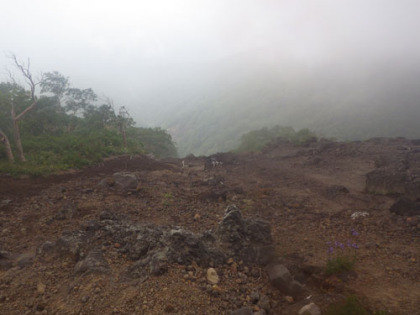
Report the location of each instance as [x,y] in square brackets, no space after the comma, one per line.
[354,232]
[339,244]
[330,250]
[354,245]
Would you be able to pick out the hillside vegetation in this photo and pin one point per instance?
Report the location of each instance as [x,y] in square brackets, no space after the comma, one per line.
[64,127]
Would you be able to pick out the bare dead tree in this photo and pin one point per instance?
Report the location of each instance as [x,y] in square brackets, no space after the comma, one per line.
[4,139]
[123,117]
[26,72]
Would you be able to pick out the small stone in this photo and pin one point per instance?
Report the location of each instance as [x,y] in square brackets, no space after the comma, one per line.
[255,296]
[230,261]
[169,308]
[40,288]
[255,272]
[255,308]
[84,299]
[310,309]
[289,299]
[212,276]
[197,217]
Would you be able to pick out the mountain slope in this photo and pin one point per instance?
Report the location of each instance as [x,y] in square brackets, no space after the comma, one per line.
[207,109]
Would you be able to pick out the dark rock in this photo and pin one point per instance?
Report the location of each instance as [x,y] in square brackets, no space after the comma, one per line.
[264,302]
[71,244]
[232,228]
[108,215]
[248,239]
[184,247]
[4,254]
[153,248]
[335,190]
[243,311]
[255,296]
[46,248]
[281,278]
[92,226]
[387,181]
[413,187]
[123,181]
[25,260]
[93,263]
[169,309]
[406,207]
[68,211]
[5,264]
[85,298]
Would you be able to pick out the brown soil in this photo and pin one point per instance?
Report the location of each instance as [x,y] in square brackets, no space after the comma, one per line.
[297,189]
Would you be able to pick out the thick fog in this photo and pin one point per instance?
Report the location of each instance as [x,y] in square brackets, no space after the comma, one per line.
[143,54]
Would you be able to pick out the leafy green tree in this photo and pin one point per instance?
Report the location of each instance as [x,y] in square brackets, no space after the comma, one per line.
[255,140]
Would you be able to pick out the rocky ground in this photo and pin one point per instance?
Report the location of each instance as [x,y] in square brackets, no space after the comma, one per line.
[247,234]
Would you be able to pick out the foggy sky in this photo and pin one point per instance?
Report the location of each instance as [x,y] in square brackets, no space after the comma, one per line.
[123,48]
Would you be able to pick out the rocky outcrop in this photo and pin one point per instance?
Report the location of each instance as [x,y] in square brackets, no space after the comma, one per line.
[153,248]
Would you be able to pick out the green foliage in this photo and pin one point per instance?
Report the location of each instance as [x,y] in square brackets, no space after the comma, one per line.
[257,139]
[155,140]
[167,199]
[351,306]
[340,264]
[56,137]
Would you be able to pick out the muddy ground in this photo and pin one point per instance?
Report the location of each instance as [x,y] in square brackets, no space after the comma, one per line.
[307,195]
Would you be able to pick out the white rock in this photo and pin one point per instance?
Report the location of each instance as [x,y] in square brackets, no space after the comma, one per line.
[310,309]
[212,276]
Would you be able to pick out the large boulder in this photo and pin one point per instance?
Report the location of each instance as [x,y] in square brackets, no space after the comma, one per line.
[406,207]
[122,181]
[386,181]
[250,240]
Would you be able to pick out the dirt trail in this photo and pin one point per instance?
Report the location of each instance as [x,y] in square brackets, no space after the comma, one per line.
[307,194]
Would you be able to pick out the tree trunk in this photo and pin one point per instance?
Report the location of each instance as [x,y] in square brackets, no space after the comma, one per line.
[124,135]
[5,140]
[16,133]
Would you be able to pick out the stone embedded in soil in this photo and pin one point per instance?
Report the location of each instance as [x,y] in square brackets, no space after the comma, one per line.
[212,276]
[93,263]
[124,181]
[281,278]
[264,302]
[25,260]
[40,288]
[406,207]
[154,247]
[310,309]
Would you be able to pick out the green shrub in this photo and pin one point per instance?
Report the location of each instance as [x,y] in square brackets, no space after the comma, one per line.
[351,306]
